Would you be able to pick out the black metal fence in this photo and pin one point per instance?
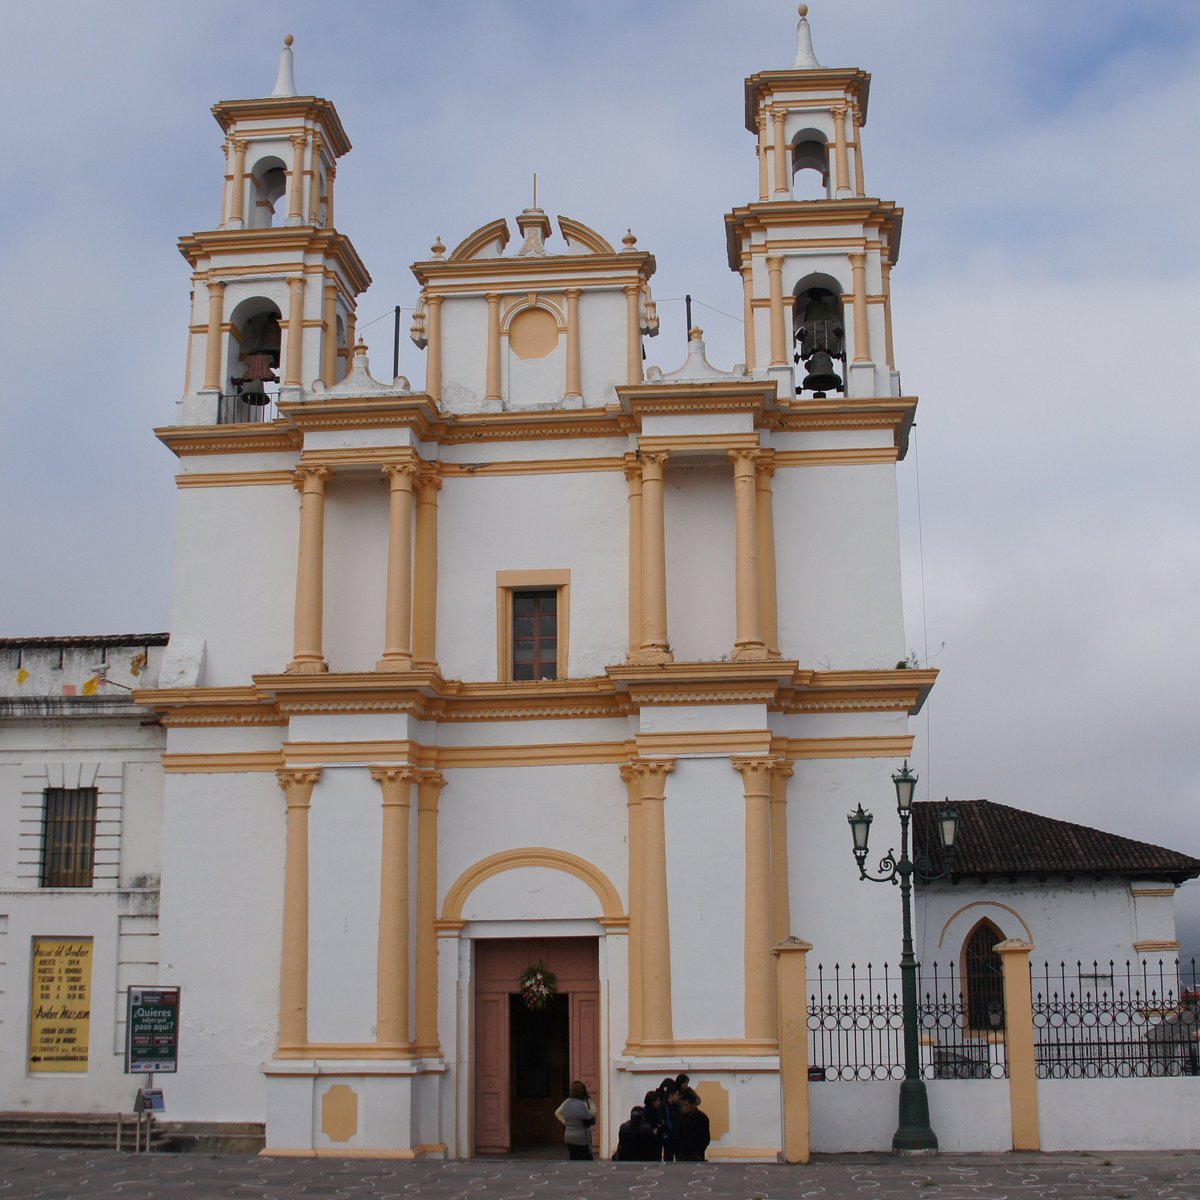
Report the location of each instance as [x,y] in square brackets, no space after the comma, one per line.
[1113,1021]
[232,409]
[856,1027]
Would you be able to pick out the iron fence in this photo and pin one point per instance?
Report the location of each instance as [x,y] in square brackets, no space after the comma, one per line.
[856,1027]
[233,410]
[1113,1021]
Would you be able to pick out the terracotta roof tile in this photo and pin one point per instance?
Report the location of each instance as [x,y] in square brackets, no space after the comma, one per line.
[995,839]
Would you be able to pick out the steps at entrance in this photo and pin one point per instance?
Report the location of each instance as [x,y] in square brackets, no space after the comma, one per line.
[98,1131]
[210,1137]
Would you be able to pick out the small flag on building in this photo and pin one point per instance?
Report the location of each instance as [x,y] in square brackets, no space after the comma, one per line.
[91,687]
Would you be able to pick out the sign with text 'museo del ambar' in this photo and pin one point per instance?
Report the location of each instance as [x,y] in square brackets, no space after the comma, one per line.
[152,1030]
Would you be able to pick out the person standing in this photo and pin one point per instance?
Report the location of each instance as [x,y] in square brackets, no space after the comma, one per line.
[578,1115]
[694,1134]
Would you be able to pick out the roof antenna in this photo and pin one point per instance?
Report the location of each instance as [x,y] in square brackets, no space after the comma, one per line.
[535,189]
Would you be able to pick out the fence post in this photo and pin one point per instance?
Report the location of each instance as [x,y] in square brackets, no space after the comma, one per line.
[1018,1037]
[791,978]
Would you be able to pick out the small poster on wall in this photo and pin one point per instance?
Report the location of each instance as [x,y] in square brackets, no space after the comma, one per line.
[60,1004]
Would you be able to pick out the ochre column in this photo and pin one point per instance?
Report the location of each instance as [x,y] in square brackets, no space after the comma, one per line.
[758,940]
[1019,1044]
[748,314]
[633,476]
[574,379]
[862,335]
[433,346]
[792,992]
[329,340]
[768,595]
[330,175]
[633,335]
[657,1023]
[886,267]
[779,349]
[308,657]
[748,645]
[429,787]
[293,975]
[764,184]
[397,648]
[655,646]
[492,389]
[860,186]
[782,162]
[296,180]
[295,325]
[213,373]
[426,568]
[314,193]
[781,904]
[841,159]
[636,903]
[391,985]
[237,198]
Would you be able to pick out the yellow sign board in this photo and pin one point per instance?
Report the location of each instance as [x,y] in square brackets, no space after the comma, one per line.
[60,1004]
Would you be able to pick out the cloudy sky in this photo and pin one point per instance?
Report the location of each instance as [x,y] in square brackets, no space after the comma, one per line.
[1046,305]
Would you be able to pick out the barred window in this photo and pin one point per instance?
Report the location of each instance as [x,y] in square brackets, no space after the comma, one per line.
[983,975]
[68,836]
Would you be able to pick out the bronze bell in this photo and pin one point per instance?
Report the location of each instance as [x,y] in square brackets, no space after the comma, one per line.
[821,377]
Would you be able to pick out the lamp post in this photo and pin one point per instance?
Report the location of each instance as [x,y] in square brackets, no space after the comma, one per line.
[914,1133]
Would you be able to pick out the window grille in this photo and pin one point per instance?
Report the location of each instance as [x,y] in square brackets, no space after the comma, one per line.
[535,635]
[68,837]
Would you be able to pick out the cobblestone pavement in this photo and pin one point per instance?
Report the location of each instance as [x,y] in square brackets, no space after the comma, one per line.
[82,1174]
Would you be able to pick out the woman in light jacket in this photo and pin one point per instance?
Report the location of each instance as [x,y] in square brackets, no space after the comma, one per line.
[578,1114]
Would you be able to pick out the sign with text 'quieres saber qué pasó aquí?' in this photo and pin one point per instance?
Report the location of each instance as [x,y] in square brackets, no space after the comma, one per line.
[152,1030]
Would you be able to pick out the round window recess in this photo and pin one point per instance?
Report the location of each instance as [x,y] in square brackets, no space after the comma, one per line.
[533,333]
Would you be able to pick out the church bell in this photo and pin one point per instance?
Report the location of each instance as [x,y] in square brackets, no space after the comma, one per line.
[821,338]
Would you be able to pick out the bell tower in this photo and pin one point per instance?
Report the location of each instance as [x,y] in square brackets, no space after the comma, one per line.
[816,271]
[275,285]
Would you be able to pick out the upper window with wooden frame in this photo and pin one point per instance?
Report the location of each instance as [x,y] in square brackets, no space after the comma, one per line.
[983,978]
[68,837]
[532,611]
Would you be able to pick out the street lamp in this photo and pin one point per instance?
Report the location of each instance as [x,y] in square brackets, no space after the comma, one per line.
[914,1133]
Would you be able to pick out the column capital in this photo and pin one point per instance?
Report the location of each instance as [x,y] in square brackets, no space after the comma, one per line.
[428,480]
[429,785]
[651,774]
[399,473]
[404,774]
[745,457]
[755,772]
[216,285]
[653,458]
[298,139]
[297,784]
[240,144]
[632,468]
[296,284]
[573,293]
[774,262]
[434,301]
[858,259]
[310,478]
[783,768]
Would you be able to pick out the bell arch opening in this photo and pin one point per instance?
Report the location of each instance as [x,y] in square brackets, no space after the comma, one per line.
[252,362]
[268,182]
[819,335]
[810,165]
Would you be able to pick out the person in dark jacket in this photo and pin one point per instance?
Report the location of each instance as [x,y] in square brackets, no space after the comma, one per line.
[693,1129]
[669,1093]
[628,1142]
[655,1118]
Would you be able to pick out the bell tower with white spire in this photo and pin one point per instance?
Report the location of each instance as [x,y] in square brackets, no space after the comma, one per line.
[816,271]
[273,307]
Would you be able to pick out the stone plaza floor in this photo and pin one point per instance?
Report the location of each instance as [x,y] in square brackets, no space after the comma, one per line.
[83,1174]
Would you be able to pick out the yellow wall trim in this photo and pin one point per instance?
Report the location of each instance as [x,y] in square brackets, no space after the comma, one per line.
[349,1050]
[1157,946]
[235,479]
[531,856]
[1139,889]
[708,742]
[716,442]
[209,764]
[1008,908]
[533,466]
[716,1047]
[850,457]
[897,746]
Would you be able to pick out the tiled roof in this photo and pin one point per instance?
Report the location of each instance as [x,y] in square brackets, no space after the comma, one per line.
[84,640]
[996,840]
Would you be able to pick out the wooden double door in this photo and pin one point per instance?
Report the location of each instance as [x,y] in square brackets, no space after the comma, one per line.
[525,1060]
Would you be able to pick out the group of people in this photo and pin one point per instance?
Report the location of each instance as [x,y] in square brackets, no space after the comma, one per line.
[668,1126]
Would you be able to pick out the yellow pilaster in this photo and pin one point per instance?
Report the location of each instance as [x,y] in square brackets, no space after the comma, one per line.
[758,939]
[397,650]
[779,349]
[330,175]
[314,186]
[782,163]
[237,198]
[309,657]
[492,389]
[293,975]
[1019,1047]
[634,805]
[792,991]
[862,333]
[656,1023]
[655,645]
[748,314]
[296,179]
[860,187]
[391,987]
[433,346]
[633,335]
[749,644]
[633,476]
[429,787]
[764,178]
[768,598]
[841,156]
[886,267]
[574,380]
[425,586]
[329,336]
[295,332]
[781,902]
[213,373]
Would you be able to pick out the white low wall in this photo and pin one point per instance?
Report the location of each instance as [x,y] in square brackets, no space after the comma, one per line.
[1119,1114]
[967,1115]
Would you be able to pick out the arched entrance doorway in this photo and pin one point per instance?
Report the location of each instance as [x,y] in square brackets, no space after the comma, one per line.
[525,1060]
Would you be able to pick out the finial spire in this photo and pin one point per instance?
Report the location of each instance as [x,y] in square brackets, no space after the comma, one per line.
[806,60]
[285,81]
